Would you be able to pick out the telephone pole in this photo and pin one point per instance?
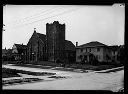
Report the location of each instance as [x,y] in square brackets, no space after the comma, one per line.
[2,34]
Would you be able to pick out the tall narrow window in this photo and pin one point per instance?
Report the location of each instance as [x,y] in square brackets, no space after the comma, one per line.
[81,50]
[90,50]
[98,49]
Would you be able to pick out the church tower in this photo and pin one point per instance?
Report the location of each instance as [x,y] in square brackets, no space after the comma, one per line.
[55,36]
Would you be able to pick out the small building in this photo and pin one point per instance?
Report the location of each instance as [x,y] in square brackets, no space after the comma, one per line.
[93,51]
[19,52]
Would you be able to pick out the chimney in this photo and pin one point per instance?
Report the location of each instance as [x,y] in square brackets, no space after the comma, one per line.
[76,44]
[34,29]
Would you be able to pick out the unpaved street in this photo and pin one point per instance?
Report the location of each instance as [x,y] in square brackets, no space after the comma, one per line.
[75,81]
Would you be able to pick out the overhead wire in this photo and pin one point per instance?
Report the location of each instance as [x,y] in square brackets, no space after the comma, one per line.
[49,17]
[43,14]
[31,16]
[39,14]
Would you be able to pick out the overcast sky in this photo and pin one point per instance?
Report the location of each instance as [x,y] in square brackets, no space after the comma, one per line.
[84,23]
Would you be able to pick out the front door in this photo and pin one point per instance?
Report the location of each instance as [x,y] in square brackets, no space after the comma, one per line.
[85,58]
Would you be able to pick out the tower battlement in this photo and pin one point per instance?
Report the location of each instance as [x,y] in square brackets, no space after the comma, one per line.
[55,22]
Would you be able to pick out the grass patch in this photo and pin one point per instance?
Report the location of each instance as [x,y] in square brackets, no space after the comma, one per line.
[6,72]
[23,80]
[33,66]
[7,75]
[114,70]
[57,77]
[104,67]
[63,69]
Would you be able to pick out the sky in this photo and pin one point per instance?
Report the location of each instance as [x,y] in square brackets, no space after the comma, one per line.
[84,23]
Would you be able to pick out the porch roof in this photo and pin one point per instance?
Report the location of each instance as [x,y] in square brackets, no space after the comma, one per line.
[86,53]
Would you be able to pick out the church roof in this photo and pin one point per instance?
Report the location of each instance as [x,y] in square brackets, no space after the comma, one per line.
[42,36]
[92,44]
[69,45]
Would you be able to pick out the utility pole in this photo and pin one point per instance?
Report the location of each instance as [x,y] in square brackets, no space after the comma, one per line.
[2,34]
[2,39]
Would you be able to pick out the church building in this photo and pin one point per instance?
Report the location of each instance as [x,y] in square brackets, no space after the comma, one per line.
[52,46]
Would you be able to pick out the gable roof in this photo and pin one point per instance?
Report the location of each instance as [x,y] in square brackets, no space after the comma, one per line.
[69,45]
[20,46]
[92,44]
[42,36]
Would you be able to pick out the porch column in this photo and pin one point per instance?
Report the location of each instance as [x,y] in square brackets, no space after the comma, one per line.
[88,58]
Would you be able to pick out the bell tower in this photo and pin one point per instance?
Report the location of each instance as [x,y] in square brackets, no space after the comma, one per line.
[55,35]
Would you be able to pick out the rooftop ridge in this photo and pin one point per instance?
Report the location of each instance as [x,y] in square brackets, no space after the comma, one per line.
[92,44]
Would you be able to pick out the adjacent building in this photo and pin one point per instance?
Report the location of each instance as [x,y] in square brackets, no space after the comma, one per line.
[19,52]
[93,51]
[7,54]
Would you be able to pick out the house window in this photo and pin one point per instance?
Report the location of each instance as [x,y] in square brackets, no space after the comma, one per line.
[98,49]
[81,50]
[86,49]
[114,52]
[90,50]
